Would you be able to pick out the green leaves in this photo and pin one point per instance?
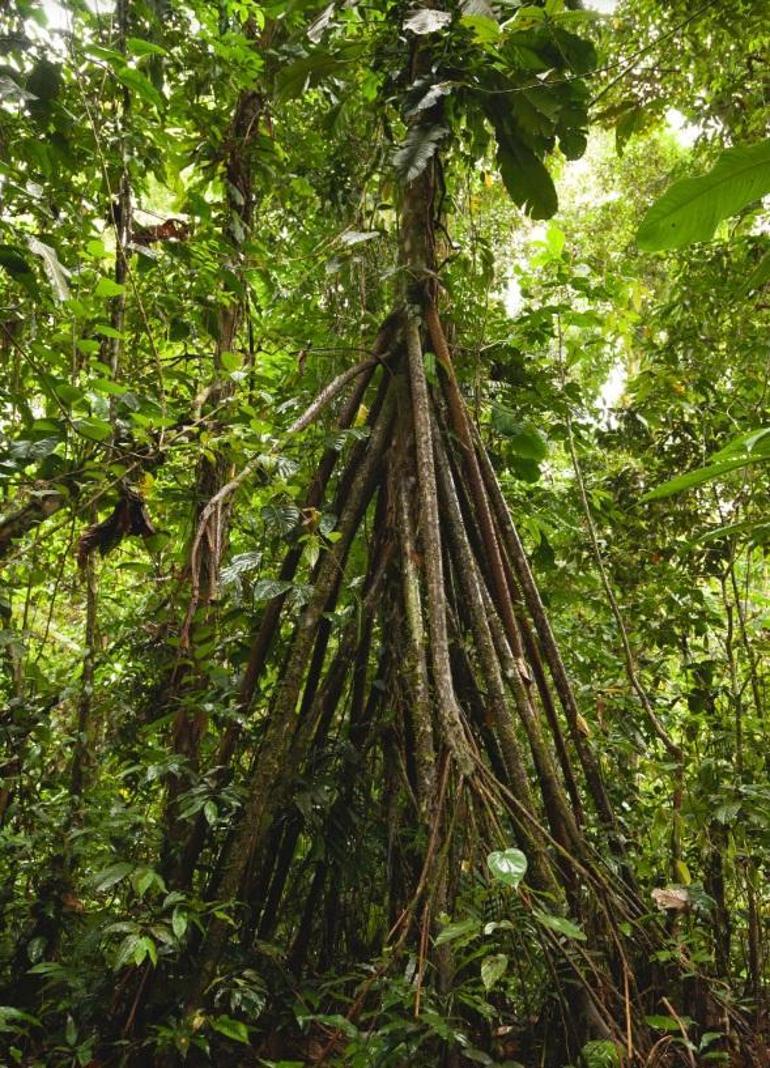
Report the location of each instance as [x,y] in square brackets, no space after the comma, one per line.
[420,146]
[760,276]
[141,85]
[578,52]
[600,1053]
[691,209]
[138,46]
[493,968]
[560,924]
[231,1028]
[522,135]
[526,178]
[106,287]
[93,429]
[267,589]
[524,440]
[662,1023]
[462,930]
[508,866]
[111,876]
[309,71]
[179,922]
[744,451]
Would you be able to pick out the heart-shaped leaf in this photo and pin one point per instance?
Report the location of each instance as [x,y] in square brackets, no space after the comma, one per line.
[508,866]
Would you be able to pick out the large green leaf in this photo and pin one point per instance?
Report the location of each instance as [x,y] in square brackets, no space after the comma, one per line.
[691,209]
[524,441]
[662,1023]
[234,1029]
[695,478]
[105,880]
[526,178]
[508,866]
[579,53]
[411,159]
[464,929]
[560,924]
[141,85]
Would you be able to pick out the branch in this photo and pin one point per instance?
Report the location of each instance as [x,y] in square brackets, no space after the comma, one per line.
[328,393]
[19,523]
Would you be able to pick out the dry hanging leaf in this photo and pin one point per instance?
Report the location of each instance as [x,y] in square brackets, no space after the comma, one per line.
[671,897]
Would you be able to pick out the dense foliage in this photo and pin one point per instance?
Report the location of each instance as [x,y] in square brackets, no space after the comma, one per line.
[384,478]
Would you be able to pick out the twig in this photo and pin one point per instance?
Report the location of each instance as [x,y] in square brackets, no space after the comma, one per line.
[682,1028]
[328,393]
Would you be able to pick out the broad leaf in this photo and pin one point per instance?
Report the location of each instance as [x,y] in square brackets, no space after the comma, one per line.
[526,178]
[754,442]
[241,564]
[560,924]
[600,1053]
[141,85]
[231,1028]
[691,209]
[108,878]
[466,929]
[508,866]
[266,589]
[140,47]
[294,78]
[56,273]
[430,98]
[13,93]
[524,441]
[493,968]
[411,159]
[662,1023]
[578,52]
[93,429]
[106,287]
[485,27]
[178,922]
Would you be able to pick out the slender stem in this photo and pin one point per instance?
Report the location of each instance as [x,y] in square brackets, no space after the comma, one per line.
[629,661]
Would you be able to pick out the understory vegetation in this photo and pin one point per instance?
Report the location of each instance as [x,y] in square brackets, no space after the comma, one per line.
[385,616]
